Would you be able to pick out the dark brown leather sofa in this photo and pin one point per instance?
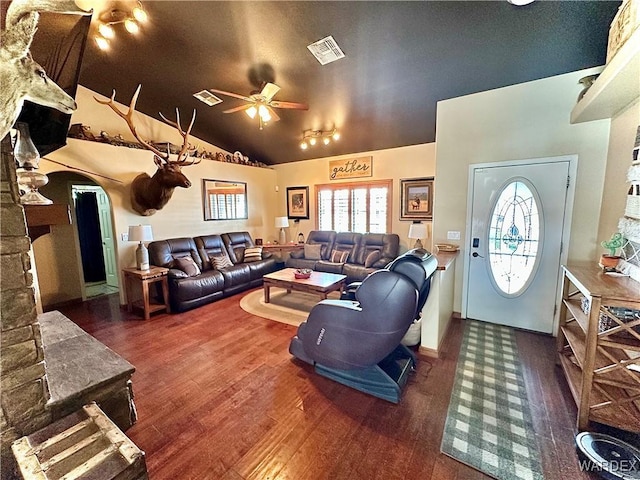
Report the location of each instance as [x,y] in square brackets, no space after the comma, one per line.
[359,263]
[186,292]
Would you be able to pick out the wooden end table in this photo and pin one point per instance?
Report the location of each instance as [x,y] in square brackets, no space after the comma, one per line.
[320,283]
[145,278]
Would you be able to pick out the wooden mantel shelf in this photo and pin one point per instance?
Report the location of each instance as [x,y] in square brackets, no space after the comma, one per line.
[41,217]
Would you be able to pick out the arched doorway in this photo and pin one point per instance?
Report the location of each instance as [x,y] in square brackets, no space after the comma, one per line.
[79,260]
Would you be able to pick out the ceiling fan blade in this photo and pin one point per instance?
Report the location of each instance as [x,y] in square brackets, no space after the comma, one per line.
[237,109]
[230,94]
[269,91]
[274,115]
[297,106]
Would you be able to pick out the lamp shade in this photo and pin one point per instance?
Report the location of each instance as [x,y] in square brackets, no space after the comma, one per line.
[140,233]
[417,230]
[282,222]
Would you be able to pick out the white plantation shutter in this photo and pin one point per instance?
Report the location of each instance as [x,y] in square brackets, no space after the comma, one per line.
[355,207]
[325,215]
[359,210]
[378,210]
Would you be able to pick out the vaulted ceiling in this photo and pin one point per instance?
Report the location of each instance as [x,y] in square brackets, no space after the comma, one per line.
[401,58]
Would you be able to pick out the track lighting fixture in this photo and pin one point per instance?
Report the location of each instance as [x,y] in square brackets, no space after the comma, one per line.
[311,137]
[131,21]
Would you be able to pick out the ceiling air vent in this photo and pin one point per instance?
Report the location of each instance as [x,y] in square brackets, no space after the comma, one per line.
[207,97]
[326,50]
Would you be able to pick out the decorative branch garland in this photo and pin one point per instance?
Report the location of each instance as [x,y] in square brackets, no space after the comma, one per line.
[83,132]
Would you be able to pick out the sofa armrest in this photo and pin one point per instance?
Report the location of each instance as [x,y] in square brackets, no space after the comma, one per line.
[175,273]
[383,262]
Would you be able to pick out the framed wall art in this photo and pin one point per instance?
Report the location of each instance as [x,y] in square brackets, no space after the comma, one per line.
[298,203]
[416,198]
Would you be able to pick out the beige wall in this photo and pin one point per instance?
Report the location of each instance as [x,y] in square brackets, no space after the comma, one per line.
[621,139]
[183,215]
[529,120]
[394,163]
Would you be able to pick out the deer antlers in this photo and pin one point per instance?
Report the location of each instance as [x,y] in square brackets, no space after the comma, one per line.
[183,155]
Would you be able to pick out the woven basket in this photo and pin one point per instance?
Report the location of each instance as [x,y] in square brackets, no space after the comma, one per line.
[632,208]
[626,21]
[625,315]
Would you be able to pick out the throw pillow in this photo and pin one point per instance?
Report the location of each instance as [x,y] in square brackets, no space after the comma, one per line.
[220,260]
[253,254]
[187,265]
[372,258]
[312,252]
[338,257]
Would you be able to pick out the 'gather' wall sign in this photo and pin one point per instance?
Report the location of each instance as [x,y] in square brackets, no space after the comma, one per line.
[351,168]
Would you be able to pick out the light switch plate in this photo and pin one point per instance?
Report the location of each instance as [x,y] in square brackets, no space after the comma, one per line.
[125,237]
[451,235]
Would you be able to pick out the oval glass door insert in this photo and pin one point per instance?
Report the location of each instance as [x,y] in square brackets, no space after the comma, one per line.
[515,238]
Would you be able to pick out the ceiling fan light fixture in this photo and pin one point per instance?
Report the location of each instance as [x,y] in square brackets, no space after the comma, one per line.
[303,145]
[335,136]
[264,113]
[326,140]
[251,111]
[312,141]
[520,3]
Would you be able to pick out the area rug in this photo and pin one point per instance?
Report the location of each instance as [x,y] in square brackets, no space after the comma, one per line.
[489,424]
[290,308]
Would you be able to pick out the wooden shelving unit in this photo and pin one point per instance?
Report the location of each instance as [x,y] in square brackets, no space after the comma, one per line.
[596,364]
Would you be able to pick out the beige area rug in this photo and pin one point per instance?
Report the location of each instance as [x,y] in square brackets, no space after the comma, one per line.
[290,308]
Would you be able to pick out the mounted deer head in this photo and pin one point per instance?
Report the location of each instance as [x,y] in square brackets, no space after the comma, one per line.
[20,76]
[150,194]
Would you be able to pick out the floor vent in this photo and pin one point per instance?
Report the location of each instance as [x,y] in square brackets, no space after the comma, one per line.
[207,97]
[326,50]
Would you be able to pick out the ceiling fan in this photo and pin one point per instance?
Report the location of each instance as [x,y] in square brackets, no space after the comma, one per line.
[261,102]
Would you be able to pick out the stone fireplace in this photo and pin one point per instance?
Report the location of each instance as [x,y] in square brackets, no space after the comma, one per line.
[78,369]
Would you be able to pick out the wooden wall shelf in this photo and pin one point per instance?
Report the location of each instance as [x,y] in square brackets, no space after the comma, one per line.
[617,86]
[40,218]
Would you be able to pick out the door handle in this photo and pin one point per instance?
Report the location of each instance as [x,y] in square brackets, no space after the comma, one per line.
[476,254]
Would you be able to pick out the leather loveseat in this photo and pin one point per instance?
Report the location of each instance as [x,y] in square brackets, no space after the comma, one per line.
[355,255]
[193,287]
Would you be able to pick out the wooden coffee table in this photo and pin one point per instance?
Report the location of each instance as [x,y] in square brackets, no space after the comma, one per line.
[319,283]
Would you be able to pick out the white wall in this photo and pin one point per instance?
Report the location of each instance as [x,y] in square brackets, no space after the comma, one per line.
[394,163]
[529,120]
[183,215]
[621,139]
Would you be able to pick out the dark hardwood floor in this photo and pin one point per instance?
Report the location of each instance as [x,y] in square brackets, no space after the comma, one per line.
[219,397]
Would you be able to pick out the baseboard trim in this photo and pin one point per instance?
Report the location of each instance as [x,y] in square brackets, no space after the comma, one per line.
[428,352]
[67,303]
[435,353]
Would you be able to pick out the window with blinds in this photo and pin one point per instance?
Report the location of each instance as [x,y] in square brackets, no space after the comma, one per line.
[354,207]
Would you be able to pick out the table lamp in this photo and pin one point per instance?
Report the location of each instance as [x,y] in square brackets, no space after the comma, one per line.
[141,233]
[417,230]
[282,223]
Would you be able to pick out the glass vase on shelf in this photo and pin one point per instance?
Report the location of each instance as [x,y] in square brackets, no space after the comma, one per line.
[28,159]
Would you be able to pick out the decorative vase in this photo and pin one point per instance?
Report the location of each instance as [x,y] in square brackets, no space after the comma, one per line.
[586,83]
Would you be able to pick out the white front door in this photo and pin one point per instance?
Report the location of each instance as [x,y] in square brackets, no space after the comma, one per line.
[518,218]
[106,231]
